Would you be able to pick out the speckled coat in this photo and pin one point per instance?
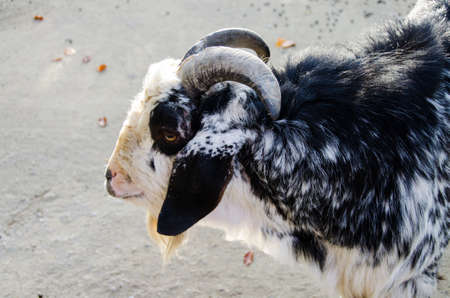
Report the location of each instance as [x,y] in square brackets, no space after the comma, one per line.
[352,179]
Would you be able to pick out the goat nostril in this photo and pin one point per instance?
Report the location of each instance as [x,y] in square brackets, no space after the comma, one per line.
[109,175]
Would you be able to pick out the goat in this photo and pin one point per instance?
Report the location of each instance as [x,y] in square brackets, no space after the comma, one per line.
[339,159]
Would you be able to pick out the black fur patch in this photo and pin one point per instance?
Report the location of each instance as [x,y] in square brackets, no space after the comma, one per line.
[371,105]
[176,115]
[195,188]
[308,246]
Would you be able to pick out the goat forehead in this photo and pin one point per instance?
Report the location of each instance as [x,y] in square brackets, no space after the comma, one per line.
[160,79]
[173,103]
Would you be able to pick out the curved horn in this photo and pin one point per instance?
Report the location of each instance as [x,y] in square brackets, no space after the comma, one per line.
[233,38]
[217,64]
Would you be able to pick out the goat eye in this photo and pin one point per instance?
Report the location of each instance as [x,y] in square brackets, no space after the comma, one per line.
[170,137]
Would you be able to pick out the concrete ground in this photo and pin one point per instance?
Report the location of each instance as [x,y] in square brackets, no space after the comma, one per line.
[60,234]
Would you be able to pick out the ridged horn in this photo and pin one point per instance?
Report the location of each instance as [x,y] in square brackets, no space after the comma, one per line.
[233,38]
[218,64]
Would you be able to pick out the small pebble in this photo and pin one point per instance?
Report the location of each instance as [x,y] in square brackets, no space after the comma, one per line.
[102,121]
[86,59]
[69,51]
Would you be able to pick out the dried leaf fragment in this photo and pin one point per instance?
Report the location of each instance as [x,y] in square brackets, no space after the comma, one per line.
[248,258]
[101,67]
[280,41]
[284,43]
[69,51]
[288,44]
[38,18]
[102,121]
[86,59]
[57,59]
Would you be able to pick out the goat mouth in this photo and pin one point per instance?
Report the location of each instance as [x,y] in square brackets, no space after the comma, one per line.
[113,193]
[140,195]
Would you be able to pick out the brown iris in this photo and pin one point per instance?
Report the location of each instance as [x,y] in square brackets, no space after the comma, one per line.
[170,137]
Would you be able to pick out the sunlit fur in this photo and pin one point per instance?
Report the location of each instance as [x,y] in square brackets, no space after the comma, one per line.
[352,180]
[133,150]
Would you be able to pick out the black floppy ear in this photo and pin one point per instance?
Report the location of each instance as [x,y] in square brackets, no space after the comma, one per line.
[196,186]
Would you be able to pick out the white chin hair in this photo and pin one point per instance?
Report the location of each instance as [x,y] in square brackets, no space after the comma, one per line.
[141,201]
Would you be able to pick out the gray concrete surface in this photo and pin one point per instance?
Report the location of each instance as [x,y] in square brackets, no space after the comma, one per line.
[60,234]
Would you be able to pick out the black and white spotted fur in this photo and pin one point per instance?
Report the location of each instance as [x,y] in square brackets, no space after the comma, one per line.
[354,175]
